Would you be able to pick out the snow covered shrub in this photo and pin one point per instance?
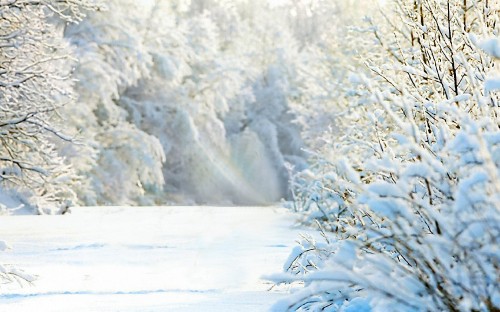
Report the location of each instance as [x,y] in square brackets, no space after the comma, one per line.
[10,274]
[408,194]
[35,64]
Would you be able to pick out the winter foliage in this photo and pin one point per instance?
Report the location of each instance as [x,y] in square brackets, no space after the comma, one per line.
[384,132]
[165,101]
[35,64]
[406,185]
[192,92]
[147,103]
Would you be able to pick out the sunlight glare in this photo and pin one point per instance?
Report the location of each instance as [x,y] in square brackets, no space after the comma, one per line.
[277,3]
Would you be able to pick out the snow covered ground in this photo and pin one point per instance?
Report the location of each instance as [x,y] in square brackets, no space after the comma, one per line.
[148,258]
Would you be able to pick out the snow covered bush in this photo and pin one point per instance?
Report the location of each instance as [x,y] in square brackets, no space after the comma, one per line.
[35,64]
[407,193]
[10,274]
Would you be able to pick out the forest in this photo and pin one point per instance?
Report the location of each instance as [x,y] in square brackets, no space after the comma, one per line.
[375,123]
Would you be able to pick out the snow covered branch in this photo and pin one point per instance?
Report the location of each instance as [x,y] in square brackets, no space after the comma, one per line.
[35,65]
[408,181]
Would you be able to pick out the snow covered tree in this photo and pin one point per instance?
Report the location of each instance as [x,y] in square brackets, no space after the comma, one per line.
[407,196]
[121,164]
[34,85]
[182,73]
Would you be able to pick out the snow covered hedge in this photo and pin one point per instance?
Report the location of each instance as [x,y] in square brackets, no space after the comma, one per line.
[407,186]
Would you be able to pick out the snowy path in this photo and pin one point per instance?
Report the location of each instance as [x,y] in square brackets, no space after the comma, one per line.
[148,259]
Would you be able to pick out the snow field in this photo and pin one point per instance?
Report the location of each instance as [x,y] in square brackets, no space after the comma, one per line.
[148,259]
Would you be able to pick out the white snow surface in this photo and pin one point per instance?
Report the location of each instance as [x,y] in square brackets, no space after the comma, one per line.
[148,258]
